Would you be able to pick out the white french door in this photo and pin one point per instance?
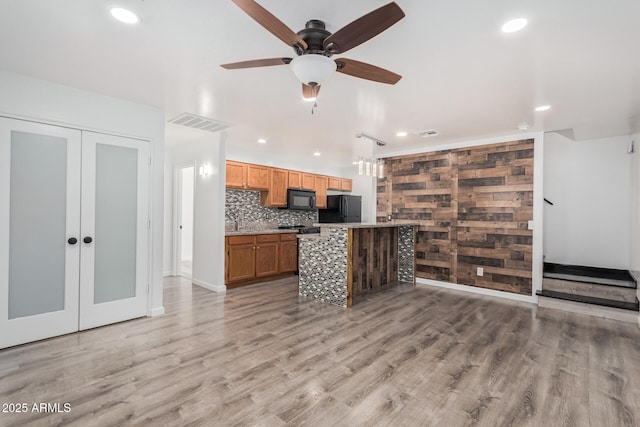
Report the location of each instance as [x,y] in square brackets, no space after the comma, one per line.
[114,229]
[39,218]
[73,235]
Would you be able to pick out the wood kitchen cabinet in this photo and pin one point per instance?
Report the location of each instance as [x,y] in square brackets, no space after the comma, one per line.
[308,181]
[253,258]
[334,183]
[247,176]
[267,254]
[321,184]
[346,184]
[276,196]
[295,179]
[241,260]
[288,254]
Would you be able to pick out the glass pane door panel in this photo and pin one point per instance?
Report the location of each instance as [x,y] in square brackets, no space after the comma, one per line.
[115,227]
[37,224]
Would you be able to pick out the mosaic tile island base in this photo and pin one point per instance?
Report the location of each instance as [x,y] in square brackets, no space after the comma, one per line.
[349,260]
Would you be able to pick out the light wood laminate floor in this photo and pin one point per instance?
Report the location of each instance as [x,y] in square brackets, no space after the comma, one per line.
[261,355]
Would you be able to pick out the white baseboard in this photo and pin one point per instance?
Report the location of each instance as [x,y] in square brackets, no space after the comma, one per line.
[157,311]
[480,291]
[210,286]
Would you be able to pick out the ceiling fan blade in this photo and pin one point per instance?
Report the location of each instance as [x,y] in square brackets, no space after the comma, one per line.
[363,28]
[272,24]
[367,71]
[256,63]
[310,92]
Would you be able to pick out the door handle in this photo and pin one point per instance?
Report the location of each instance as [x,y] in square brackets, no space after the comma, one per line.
[87,239]
[72,240]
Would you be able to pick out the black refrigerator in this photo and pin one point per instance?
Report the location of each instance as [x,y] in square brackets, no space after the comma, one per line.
[342,208]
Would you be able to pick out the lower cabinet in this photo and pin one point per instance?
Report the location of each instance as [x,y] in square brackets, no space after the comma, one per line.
[288,254]
[252,258]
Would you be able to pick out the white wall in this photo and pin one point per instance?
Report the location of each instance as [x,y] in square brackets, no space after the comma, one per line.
[634,220]
[589,183]
[41,101]
[208,215]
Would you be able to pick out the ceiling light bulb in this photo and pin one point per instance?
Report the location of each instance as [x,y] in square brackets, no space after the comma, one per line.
[402,133]
[543,108]
[262,141]
[312,99]
[124,15]
[514,25]
[317,153]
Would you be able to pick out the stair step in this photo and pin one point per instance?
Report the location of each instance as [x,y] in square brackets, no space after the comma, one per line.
[590,289]
[625,305]
[578,273]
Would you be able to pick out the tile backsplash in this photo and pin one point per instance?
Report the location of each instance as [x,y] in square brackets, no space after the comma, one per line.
[244,206]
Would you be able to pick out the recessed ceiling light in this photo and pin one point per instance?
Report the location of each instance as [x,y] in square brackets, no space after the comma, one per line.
[402,133]
[514,25]
[124,15]
[355,162]
[262,141]
[317,153]
[543,108]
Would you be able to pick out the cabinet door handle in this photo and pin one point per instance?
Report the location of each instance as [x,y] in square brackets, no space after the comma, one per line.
[72,241]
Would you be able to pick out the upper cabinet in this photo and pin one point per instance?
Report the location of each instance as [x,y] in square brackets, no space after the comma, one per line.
[346,184]
[247,176]
[334,183]
[277,194]
[339,184]
[308,181]
[321,184]
[302,180]
[236,174]
[273,183]
[295,179]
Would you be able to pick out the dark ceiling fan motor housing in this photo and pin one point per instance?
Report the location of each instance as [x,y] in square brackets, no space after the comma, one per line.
[313,34]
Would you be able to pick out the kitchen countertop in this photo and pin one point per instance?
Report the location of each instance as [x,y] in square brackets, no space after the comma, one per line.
[268,231]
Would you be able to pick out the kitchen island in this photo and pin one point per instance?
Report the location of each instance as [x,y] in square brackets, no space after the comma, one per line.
[348,260]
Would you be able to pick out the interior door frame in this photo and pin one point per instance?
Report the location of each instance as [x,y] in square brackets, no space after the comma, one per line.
[176,252]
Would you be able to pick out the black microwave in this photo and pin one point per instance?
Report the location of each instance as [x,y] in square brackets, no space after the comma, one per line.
[302,200]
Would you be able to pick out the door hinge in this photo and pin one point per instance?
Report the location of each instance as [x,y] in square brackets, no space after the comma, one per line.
[147,287]
[148,223]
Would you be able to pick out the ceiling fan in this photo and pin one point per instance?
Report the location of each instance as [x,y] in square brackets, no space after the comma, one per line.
[314,46]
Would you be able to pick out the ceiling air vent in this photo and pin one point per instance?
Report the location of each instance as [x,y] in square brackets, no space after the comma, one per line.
[198,122]
[427,133]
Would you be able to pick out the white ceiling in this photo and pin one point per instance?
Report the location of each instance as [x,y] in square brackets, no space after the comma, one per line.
[461,74]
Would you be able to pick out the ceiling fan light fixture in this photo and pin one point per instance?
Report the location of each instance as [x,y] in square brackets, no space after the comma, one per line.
[313,69]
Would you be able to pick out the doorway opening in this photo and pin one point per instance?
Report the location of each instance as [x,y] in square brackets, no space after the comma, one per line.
[184,238]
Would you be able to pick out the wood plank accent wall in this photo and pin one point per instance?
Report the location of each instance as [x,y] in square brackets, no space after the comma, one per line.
[374,255]
[473,205]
